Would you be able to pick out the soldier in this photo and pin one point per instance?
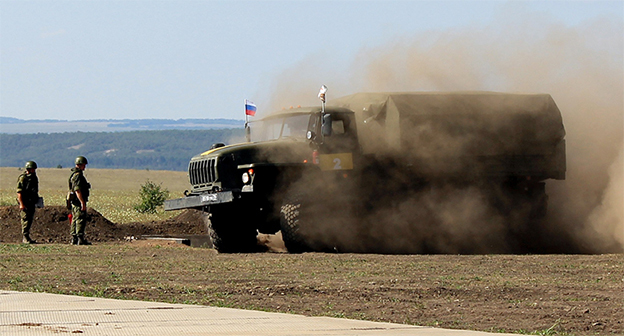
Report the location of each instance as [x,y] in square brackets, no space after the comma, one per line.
[27,197]
[80,187]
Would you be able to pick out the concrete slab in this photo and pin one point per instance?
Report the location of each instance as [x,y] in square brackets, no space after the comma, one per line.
[23,313]
[191,240]
[177,240]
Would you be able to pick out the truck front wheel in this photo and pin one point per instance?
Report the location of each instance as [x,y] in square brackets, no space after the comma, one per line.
[231,230]
[290,224]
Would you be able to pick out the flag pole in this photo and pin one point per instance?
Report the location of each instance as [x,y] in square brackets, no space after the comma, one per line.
[247,130]
[321,96]
[250,110]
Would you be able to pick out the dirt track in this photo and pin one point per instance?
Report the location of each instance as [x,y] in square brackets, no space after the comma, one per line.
[547,294]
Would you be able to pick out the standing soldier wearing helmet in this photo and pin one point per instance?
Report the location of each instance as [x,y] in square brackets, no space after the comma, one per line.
[27,198]
[80,187]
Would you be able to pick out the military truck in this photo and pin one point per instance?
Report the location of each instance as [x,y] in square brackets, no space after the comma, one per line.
[318,173]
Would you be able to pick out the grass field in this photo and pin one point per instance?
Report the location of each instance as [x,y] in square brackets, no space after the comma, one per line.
[114,192]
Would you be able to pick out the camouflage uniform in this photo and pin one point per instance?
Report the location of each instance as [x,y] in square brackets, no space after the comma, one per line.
[77,181]
[28,187]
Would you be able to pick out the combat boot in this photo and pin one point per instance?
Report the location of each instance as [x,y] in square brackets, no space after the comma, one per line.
[74,240]
[82,240]
[27,240]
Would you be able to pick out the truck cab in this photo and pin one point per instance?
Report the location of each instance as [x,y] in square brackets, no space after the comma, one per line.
[241,186]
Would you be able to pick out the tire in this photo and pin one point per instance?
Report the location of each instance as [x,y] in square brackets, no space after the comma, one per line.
[290,224]
[231,230]
[539,202]
[525,209]
[536,239]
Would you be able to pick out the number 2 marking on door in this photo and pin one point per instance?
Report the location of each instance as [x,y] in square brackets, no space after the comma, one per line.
[337,164]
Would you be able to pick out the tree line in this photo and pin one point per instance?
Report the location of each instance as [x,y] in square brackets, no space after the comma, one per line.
[156,150]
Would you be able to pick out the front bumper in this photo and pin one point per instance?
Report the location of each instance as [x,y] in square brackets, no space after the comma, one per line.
[198,201]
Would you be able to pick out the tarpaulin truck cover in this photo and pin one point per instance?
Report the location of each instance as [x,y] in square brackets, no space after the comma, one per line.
[522,132]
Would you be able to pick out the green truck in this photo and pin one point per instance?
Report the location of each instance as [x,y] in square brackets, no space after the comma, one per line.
[320,174]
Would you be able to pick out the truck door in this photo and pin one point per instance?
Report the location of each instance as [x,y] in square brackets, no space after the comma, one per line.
[339,148]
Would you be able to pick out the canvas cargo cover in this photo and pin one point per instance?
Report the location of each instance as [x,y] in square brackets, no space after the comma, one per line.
[425,125]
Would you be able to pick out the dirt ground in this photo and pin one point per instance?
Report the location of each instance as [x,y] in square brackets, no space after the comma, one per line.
[51,226]
[539,294]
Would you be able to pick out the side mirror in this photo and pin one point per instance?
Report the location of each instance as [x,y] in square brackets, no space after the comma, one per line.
[326,126]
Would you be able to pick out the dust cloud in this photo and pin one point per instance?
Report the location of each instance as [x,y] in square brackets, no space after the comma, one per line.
[521,52]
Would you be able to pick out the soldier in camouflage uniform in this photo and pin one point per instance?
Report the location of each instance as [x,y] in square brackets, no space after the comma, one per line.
[80,187]
[27,197]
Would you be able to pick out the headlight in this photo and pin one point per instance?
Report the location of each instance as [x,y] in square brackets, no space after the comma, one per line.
[246,178]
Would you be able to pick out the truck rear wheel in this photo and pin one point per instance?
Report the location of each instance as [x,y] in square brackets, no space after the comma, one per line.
[524,209]
[231,230]
[290,224]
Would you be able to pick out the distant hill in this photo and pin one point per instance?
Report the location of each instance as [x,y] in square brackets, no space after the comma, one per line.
[19,126]
[157,150]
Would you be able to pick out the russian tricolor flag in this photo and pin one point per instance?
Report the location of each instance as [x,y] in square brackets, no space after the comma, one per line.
[250,108]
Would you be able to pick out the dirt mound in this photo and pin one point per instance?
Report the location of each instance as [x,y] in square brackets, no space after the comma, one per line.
[51,225]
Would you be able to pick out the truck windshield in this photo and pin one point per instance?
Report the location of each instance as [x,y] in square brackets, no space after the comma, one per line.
[293,126]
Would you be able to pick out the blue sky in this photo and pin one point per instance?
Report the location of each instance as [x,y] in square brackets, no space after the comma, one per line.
[200,59]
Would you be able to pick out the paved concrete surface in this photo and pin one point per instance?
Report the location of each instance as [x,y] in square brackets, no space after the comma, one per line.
[23,313]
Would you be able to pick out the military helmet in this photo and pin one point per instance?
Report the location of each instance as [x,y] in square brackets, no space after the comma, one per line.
[81,160]
[31,165]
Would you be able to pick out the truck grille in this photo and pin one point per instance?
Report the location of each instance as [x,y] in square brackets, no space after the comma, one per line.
[202,172]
